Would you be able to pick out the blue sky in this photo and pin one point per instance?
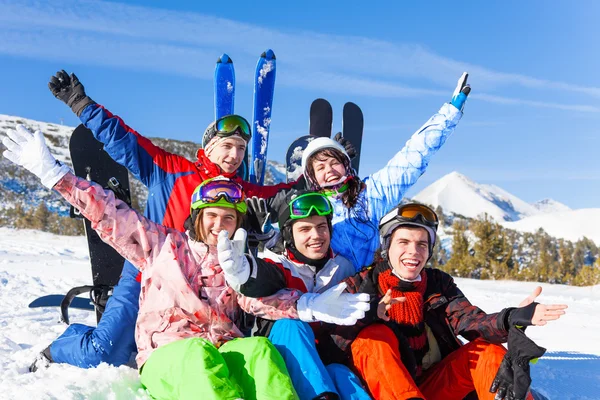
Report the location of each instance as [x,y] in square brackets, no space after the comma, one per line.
[530,125]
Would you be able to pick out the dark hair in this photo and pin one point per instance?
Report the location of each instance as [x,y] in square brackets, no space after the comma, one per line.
[199,235]
[350,196]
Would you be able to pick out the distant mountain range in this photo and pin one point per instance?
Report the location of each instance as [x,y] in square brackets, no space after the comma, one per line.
[455,193]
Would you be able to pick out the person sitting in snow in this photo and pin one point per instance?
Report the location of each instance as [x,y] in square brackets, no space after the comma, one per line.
[359,204]
[187,331]
[304,261]
[414,352]
[170,179]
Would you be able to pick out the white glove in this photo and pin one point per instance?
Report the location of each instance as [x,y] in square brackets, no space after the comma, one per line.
[333,306]
[29,150]
[233,261]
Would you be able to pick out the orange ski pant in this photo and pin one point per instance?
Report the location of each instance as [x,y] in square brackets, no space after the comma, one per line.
[376,356]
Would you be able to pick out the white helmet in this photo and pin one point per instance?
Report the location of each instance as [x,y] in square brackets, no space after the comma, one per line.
[319,144]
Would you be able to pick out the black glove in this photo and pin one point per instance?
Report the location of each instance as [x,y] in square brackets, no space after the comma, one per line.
[513,378]
[346,144]
[259,220]
[70,91]
[521,316]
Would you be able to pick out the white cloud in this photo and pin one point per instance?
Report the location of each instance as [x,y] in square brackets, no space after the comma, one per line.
[185,43]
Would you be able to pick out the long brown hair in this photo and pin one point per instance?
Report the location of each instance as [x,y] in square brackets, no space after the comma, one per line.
[198,224]
[349,196]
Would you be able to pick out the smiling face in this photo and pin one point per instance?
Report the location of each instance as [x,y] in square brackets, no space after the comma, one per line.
[312,237]
[213,220]
[228,153]
[409,251]
[327,167]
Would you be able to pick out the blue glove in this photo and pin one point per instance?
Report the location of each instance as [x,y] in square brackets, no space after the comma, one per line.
[459,97]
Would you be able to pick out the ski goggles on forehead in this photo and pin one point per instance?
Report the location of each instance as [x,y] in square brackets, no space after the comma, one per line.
[408,213]
[309,204]
[231,124]
[213,191]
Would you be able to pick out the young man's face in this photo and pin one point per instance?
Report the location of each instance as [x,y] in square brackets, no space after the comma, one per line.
[409,251]
[216,219]
[328,170]
[228,154]
[311,236]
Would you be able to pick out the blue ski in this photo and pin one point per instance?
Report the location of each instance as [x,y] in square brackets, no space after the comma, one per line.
[264,86]
[224,86]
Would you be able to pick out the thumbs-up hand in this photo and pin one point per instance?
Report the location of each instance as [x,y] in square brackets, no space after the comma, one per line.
[232,259]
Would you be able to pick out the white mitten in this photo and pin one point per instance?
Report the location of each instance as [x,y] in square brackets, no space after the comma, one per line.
[333,306]
[232,259]
[29,150]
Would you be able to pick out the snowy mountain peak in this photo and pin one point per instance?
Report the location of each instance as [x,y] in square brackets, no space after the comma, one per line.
[550,206]
[457,193]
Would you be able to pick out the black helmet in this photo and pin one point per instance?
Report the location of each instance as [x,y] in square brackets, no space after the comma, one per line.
[299,204]
[412,214]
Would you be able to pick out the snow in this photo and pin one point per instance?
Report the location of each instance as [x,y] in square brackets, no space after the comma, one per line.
[458,194]
[570,225]
[267,67]
[550,206]
[34,263]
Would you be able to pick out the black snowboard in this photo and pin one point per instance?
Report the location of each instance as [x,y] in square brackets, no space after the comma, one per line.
[91,162]
[352,129]
[321,118]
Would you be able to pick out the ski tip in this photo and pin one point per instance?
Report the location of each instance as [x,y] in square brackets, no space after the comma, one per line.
[269,54]
[319,101]
[224,59]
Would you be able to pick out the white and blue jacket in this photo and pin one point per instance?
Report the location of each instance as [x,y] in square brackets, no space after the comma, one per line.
[355,230]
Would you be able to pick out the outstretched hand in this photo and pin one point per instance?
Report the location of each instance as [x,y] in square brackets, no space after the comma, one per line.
[532,313]
[334,306]
[70,91]
[386,302]
[30,151]
[459,97]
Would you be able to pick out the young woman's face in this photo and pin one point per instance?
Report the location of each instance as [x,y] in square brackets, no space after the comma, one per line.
[409,251]
[328,170]
[216,219]
[228,154]
[311,236]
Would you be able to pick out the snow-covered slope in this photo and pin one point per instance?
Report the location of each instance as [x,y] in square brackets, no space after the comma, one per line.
[570,225]
[34,263]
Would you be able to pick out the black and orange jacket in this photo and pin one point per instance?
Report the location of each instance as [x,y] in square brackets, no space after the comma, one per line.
[448,313]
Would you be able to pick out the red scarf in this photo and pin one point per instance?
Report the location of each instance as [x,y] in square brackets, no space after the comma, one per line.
[410,312]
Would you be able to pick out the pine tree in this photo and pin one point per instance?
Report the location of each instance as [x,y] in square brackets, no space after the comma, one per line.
[460,262]
[41,217]
[493,250]
[589,275]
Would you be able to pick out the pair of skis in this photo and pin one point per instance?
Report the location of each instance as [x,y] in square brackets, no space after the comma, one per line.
[255,162]
[320,123]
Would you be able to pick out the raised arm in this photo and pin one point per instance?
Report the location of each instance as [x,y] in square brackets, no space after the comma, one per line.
[147,162]
[386,187]
[135,237]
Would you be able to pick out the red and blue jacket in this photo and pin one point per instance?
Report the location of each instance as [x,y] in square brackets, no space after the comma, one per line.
[170,178]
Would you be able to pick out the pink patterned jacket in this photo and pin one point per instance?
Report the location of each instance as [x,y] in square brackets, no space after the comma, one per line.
[184,293]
